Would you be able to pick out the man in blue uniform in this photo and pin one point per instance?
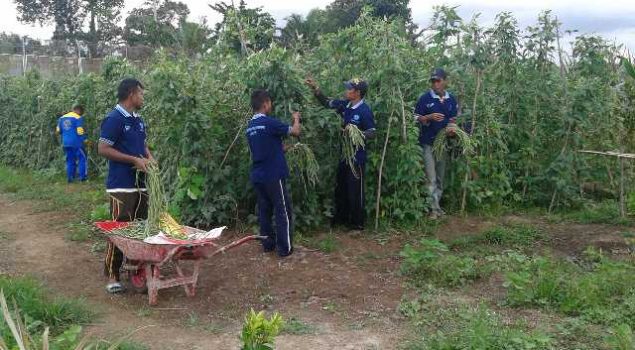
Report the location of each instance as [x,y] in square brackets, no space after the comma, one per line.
[123,142]
[269,172]
[435,109]
[71,128]
[349,190]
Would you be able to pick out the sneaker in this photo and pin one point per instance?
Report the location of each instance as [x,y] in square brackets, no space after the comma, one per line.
[433,215]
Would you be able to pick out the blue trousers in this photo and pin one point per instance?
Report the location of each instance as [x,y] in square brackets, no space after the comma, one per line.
[273,199]
[76,158]
[349,197]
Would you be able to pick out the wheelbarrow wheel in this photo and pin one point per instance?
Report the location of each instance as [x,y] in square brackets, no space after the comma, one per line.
[137,279]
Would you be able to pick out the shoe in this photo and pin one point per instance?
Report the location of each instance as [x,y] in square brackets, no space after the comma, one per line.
[284,255]
[433,215]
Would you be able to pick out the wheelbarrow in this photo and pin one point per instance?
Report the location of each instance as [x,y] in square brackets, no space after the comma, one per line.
[144,260]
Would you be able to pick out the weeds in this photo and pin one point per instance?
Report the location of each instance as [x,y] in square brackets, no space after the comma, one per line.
[431,262]
[601,291]
[41,311]
[621,338]
[298,327]
[606,212]
[479,327]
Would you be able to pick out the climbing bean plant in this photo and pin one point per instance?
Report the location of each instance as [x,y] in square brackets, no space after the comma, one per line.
[529,101]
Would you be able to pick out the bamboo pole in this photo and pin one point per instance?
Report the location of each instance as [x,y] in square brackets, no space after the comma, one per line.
[467,172]
[404,118]
[622,199]
[381,168]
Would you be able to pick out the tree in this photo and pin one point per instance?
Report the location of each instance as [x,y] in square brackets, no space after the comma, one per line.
[341,14]
[11,43]
[194,37]
[156,23]
[244,29]
[70,18]
[103,16]
[344,13]
[306,30]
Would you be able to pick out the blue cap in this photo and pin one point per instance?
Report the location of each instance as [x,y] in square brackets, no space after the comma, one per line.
[438,74]
[357,84]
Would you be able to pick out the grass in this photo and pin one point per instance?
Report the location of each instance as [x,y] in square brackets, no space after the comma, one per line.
[588,303]
[327,244]
[42,310]
[29,303]
[459,326]
[431,262]
[601,290]
[54,192]
[605,212]
[296,326]
[507,236]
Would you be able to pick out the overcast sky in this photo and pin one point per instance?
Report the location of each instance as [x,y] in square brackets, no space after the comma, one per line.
[613,19]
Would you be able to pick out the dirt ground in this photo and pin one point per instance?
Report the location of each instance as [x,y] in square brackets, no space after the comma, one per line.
[347,299]
[344,303]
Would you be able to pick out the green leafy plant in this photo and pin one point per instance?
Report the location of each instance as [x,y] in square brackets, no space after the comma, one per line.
[258,332]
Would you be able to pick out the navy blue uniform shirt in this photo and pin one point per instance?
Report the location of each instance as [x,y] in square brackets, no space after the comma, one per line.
[359,115]
[429,103]
[265,136]
[126,133]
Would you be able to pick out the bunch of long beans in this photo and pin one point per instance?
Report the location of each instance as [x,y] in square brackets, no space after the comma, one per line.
[157,200]
[135,230]
[352,141]
[301,158]
[443,142]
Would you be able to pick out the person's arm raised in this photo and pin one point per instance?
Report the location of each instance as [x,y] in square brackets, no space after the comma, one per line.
[296,128]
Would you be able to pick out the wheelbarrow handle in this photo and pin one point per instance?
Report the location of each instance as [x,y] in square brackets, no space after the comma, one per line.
[235,244]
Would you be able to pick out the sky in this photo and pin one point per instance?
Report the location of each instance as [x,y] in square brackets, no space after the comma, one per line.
[613,19]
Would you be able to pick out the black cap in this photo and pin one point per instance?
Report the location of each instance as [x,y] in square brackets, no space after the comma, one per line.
[357,84]
[438,74]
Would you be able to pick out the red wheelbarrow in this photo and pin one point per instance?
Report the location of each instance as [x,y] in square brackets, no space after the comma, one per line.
[144,260]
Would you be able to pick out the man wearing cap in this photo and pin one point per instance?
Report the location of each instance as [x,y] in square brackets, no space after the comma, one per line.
[71,128]
[435,109]
[349,190]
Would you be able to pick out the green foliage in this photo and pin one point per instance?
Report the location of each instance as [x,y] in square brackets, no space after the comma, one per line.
[40,311]
[72,17]
[430,262]
[298,327]
[24,184]
[622,338]
[604,292]
[605,212]
[258,332]
[156,24]
[525,139]
[328,244]
[479,328]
